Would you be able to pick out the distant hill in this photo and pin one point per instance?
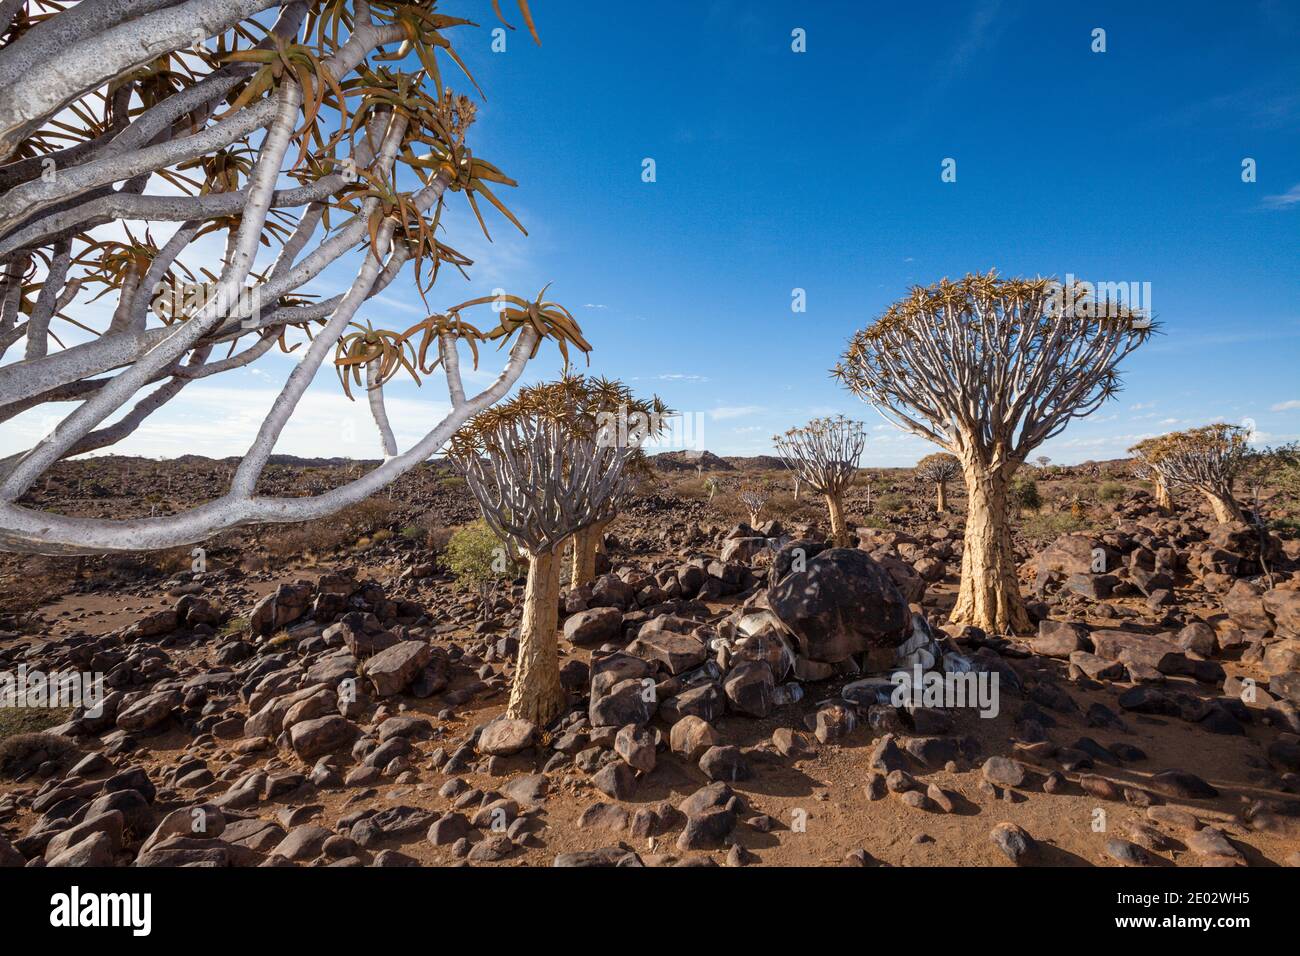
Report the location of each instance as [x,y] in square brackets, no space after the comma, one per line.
[666,461]
[755,463]
[690,461]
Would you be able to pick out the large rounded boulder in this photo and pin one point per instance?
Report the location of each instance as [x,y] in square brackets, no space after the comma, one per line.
[842,603]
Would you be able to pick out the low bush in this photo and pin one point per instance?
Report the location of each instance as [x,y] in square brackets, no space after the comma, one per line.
[1024,494]
[1044,528]
[1111,491]
[24,752]
[479,560]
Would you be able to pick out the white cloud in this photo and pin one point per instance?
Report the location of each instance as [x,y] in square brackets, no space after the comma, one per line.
[1289,198]
[1286,406]
[733,411]
[400,305]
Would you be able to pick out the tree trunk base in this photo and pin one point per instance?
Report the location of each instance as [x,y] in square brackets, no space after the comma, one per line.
[1224,507]
[990,589]
[584,557]
[536,693]
[839,533]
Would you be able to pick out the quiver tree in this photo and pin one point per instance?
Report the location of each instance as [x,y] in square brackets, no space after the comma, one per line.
[190,116]
[1206,459]
[989,369]
[754,496]
[617,416]
[1147,469]
[825,454]
[541,473]
[937,470]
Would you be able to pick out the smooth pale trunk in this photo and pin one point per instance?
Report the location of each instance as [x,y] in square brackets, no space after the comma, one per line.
[990,591]
[1163,500]
[536,693]
[839,533]
[1225,507]
[941,497]
[584,558]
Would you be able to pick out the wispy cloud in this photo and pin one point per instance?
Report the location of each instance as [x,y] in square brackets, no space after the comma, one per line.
[733,411]
[986,25]
[1286,406]
[1284,201]
[400,305]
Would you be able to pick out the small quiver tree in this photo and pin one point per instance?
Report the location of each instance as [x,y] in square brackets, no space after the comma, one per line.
[754,496]
[540,473]
[1145,468]
[937,470]
[989,369]
[1206,459]
[825,454]
[617,416]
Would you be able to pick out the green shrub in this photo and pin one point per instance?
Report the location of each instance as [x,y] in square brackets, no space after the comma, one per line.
[234,626]
[890,501]
[1024,494]
[1111,491]
[479,559]
[1042,528]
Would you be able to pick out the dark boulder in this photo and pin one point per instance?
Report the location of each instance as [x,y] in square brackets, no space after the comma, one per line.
[842,604]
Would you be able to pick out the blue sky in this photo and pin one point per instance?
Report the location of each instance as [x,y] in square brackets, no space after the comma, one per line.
[821,170]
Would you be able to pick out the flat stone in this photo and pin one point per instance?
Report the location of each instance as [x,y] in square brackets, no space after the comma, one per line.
[506,736]
[1004,772]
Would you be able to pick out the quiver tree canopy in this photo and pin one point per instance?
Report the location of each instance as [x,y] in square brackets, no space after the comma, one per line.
[988,369]
[938,469]
[1146,467]
[1206,459]
[825,454]
[754,495]
[187,117]
[556,458]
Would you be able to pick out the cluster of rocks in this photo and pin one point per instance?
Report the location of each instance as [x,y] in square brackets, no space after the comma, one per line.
[310,695]
[1193,614]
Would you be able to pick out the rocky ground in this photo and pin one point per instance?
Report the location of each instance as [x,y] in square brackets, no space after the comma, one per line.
[310,701]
